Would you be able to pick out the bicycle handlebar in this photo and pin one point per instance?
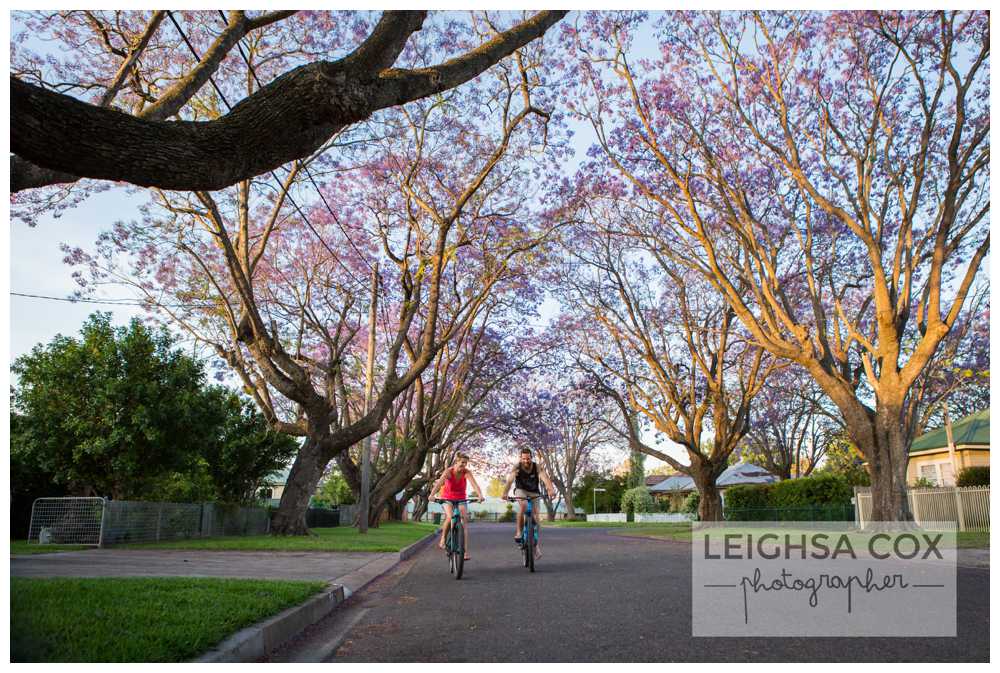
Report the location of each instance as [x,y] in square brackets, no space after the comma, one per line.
[443,500]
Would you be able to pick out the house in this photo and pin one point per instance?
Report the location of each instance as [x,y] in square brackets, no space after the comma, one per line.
[738,474]
[930,458]
[273,486]
[654,479]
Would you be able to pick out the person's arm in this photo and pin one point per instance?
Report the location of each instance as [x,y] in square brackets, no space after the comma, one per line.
[510,480]
[476,486]
[548,482]
[437,484]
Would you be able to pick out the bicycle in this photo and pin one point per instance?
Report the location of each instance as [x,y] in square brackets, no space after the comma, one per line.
[529,534]
[454,545]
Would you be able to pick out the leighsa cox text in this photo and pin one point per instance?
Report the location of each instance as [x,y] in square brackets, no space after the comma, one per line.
[797,579]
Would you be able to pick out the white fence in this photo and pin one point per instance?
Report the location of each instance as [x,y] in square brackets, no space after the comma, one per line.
[606,517]
[107,522]
[662,517]
[968,507]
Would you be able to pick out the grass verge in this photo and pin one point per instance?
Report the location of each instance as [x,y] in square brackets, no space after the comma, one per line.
[153,619]
[682,532]
[21,547]
[389,536]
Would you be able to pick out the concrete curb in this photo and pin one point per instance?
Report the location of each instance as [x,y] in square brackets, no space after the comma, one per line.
[407,552]
[253,642]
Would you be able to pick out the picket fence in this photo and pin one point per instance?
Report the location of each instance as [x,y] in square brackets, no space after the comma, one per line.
[969,507]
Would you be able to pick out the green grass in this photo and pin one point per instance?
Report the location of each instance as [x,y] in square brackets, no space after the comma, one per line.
[682,532]
[389,536]
[24,547]
[138,619]
[974,539]
[679,531]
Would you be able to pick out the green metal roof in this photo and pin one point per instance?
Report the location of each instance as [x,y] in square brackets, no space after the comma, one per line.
[973,429]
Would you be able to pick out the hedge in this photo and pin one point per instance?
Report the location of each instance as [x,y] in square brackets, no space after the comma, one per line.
[974,476]
[817,490]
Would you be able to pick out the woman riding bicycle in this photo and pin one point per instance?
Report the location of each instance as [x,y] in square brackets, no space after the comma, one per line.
[454,481]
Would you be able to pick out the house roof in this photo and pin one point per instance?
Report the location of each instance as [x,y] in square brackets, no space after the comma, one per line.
[278,478]
[973,429]
[740,473]
[654,479]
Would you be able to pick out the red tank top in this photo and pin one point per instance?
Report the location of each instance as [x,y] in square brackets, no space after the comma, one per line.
[454,487]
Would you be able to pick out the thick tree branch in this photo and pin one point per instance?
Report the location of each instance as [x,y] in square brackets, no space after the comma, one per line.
[285,120]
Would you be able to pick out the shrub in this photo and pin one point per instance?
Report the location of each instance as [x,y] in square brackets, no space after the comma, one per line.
[923,483]
[638,500]
[691,502]
[749,496]
[974,476]
[509,514]
[820,489]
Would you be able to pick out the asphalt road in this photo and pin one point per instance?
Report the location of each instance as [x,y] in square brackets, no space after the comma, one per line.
[593,597]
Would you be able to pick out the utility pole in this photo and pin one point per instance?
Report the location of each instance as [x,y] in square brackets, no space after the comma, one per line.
[951,445]
[366,447]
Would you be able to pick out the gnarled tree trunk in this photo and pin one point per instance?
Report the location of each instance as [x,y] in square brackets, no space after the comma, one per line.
[290,519]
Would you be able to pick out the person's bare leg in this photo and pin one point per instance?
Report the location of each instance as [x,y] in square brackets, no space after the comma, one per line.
[520,518]
[446,526]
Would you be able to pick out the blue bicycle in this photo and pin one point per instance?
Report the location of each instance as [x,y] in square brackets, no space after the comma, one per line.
[454,544]
[529,534]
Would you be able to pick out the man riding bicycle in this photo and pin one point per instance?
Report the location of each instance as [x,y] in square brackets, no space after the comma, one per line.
[525,476]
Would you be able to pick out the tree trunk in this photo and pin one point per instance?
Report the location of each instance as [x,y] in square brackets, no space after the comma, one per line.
[419,508]
[885,446]
[396,509]
[709,500]
[567,494]
[550,510]
[290,519]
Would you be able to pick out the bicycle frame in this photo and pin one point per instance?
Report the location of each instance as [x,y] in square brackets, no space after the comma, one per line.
[529,533]
[455,542]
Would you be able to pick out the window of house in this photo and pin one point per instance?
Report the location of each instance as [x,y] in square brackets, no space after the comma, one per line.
[947,474]
[929,471]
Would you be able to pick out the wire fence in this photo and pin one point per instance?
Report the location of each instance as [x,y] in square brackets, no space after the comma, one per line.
[100,522]
[66,521]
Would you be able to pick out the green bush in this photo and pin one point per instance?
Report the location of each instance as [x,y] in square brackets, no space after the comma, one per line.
[691,502]
[923,483]
[820,489]
[509,514]
[748,496]
[637,500]
[974,476]
[825,496]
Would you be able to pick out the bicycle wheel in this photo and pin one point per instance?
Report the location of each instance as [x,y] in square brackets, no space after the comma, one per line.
[459,548]
[529,544]
[450,549]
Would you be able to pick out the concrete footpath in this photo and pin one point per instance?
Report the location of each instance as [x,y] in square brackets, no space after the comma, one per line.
[327,566]
[344,572]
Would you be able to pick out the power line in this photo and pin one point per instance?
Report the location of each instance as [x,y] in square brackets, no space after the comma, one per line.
[308,173]
[288,196]
[108,302]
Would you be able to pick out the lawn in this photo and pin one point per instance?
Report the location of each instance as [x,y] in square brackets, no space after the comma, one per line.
[389,536]
[24,547]
[138,619]
[682,532]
